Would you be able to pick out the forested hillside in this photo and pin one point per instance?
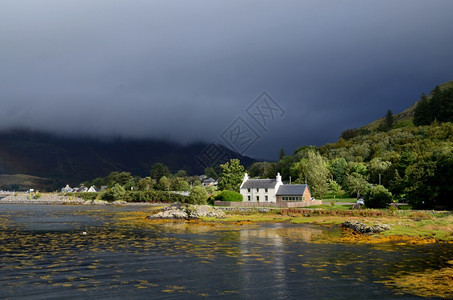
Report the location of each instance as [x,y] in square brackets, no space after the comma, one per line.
[415,163]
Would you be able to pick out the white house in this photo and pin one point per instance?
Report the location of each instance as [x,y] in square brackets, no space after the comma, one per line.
[272,190]
[92,189]
[67,189]
[260,190]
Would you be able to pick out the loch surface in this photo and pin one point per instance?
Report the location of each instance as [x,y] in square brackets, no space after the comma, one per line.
[85,252]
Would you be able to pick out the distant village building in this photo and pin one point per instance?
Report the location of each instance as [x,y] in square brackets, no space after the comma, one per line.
[67,189]
[83,189]
[209,182]
[272,190]
[92,189]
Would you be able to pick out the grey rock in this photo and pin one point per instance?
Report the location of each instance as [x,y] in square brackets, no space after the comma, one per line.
[179,211]
[365,229]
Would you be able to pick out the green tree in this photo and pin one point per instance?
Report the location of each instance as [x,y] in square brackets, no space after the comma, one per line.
[378,167]
[119,177]
[117,192]
[198,195]
[378,197]
[159,170]
[335,188]
[338,168]
[422,112]
[300,169]
[388,121]
[358,167]
[144,184]
[181,174]
[356,184]
[317,174]
[231,176]
[98,182]
[349,133]
[179,184]
[164,184]
[420,184]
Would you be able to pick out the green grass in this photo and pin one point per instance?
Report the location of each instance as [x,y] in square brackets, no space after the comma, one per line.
[353,200]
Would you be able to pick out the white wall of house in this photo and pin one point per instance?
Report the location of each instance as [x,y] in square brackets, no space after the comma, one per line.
[260,194]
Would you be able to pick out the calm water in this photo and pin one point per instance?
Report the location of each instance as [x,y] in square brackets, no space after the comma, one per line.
[44,254]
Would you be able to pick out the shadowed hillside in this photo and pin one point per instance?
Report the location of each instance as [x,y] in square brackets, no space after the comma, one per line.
[73,160]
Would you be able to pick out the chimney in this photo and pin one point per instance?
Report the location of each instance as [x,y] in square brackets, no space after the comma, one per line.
[246,177]
[278,177]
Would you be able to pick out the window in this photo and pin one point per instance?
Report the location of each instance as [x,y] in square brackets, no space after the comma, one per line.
[265,190]
[265,198]
[248,198]
[248,190]
[257,198]
[257,190]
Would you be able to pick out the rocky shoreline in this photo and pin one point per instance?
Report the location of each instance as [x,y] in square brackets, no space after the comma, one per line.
[51,199]
[180,211]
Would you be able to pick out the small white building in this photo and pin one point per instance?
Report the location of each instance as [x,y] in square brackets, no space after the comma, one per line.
[67,189]
[260,190]
[273,190]
[92,189]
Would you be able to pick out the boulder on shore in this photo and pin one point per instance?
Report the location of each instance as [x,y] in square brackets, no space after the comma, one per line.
[180,211]
[362,228]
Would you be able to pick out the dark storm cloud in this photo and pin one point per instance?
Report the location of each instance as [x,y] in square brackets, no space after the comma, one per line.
[186,70]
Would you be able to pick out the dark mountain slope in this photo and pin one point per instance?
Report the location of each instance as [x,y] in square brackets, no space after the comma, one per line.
[75,159]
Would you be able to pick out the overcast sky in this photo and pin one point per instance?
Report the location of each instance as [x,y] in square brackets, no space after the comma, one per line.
[186,70]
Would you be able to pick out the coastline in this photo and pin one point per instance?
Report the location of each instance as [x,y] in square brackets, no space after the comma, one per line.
[52,199]
[406,226]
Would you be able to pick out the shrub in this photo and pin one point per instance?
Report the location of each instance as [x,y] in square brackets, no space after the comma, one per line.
[37,195]
[198,195]
[229,196]
[154,196]
[117,192]
[378,197]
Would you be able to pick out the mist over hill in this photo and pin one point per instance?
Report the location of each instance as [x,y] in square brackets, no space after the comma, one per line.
[41,160]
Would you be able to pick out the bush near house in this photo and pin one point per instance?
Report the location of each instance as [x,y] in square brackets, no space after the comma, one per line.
[378,197]
[229,196]
[198,195]
[117,192]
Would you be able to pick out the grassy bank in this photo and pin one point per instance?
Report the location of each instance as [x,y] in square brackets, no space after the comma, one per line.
[418,225]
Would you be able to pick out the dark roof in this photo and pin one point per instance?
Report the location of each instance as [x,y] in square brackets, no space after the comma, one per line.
[291,190]
[259,183]
[210,179]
